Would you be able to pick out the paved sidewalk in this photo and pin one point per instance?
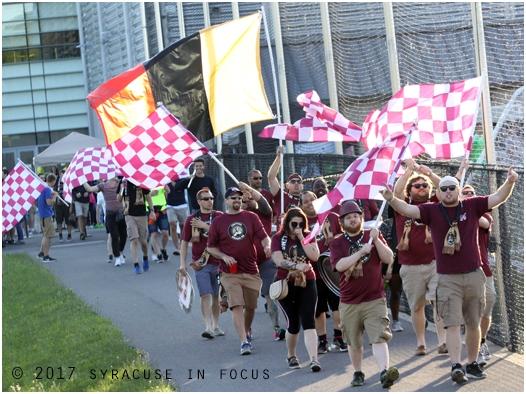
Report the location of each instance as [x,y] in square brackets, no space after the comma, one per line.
[145,307]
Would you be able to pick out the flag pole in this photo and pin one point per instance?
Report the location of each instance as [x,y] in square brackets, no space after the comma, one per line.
[223,167]
[470,144]
[41,181]
[277,100]
[191,180]
[395,170]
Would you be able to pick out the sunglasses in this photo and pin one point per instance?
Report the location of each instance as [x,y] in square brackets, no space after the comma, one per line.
[296,224]
[236,197]
[445,188]
[207,198]
[250,198]
[295,181]
[466,192]
[257,178]
[425,185]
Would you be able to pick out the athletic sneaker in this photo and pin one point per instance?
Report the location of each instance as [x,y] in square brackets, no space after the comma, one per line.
[339,344]
[118,261]
[457,374]
[48,259]
[397,326]
[68,239]
[165,255]
[19,242]
[82,236]
[249,341]
[474,371]
[110,260]
[218,332]
[123,258]
[177,253]
[245,348]
[315,366]
[208,334]
[137,270]
[293,362]
[485,351]
[279,333]
[60,239]
[358,379]
[160,258]
[40,255]
[250,335]
[323,347]
[481,360]
[388,377]
[145,264]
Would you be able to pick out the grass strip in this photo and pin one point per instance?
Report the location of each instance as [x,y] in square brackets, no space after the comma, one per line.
[47,329]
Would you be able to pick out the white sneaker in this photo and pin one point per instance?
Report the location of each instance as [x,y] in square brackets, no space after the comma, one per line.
[117,261]
[123,258]
[485,351]
[397,326]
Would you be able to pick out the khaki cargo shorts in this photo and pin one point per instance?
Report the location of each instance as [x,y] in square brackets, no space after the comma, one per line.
[491,297]
[48,227]
[371,316]
[242,289]
[137,227]
[420,283]
[461,298]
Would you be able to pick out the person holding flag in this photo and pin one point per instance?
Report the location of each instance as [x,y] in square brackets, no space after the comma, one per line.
[454,227]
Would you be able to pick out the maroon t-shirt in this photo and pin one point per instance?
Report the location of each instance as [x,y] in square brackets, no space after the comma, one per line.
[290,201]
[368,287]
[199,247]
[267,225]
[484,243]
[236,236]
[419,252]
[275,246]
[468,257]
[336,229]
[336,209]
[269,197]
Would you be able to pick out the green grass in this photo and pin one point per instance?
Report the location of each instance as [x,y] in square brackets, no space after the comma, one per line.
[45,325]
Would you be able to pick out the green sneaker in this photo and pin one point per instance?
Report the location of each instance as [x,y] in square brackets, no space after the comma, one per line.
[358,379]
[388,377]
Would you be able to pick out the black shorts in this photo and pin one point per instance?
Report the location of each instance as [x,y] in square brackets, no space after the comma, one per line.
[62,213]
[326,298]
[396,268]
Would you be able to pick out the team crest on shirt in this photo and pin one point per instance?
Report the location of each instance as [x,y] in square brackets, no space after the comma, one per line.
[202,231]
[293,251]
[320,236]
[353,249]
[290,206]
[237,231]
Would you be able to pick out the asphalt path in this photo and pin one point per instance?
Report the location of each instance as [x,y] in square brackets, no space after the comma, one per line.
[146,308]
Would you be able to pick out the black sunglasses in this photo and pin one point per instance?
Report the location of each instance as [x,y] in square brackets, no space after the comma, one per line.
[236,197]
[295,181]
[207,198]
[250,198]
[257,178]
[450,187]
[295,224]
[466,192]
[425,185]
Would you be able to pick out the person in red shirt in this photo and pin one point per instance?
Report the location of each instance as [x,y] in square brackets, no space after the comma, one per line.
[255,181]
[326,298]
[195,230]
[485,223]
[294,261]
[416,254]
[461,282]
[232,239]
[294,186]
[362,294]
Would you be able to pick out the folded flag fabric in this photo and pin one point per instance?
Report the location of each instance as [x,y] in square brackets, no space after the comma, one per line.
[20,189]
[446,116]
[88,164]
[211,81]
[159,150]
[320,124]
[365,177]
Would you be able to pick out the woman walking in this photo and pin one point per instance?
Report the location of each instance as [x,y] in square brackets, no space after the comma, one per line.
[294,260]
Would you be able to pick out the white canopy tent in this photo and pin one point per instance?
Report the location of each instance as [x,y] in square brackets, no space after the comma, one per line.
[64,149]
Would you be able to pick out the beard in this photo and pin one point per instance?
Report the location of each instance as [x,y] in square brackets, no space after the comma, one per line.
[353,229]
[236,206]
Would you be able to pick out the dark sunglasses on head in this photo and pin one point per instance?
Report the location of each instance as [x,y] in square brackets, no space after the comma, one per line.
[297,181]
[236,197]
[466,192]
[425,185]
[295,224]
[450,187]
[257,178]
[207,198]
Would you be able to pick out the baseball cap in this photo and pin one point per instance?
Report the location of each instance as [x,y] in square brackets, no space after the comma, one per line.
[349,207]
[231,191]
[295,175]
[450,179]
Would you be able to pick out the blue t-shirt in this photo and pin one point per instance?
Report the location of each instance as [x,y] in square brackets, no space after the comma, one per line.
[44,210]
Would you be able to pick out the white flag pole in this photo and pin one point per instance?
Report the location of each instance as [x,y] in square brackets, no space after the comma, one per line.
[393,174]
[41,181]
[277,101]
[191,180]
[213,156]
[473,126]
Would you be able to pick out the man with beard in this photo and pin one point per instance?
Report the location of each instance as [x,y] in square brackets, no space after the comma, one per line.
[326,298]
[200,181]
[294,186]
[417,256]
[362,294]
[253,201]
[232,239]
[255,181]
[454,228]
[195,230]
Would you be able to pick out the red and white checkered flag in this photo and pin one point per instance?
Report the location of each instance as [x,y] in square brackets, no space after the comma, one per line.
[320,124]
[365,177]
[157,151]
[20,189]
[88,165]
[446,117]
